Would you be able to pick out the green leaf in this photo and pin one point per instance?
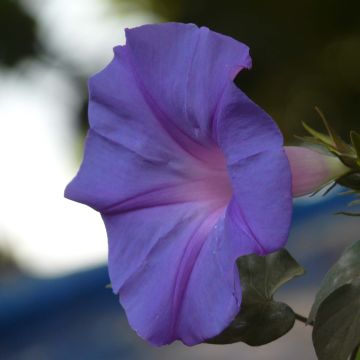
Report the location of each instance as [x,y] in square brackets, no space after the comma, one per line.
[261,276]
[354,203]
[346,270]
[355,140]
[320,137]
[341,146]
[347,193]
[258,324]
[336,331]
[332,142]
[313,141]
[350,161]
[261,318]
[351,181]
[348,213]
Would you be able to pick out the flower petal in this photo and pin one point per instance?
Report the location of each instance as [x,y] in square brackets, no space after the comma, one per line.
[242,128]
[311,169]
[182,282]
[258,167]
[213,294]
[262,191]
[154,249]
[157,132]
[106,177]
[114,179]
[185,75]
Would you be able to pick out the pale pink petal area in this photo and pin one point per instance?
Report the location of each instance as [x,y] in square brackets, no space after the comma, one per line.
[311,169]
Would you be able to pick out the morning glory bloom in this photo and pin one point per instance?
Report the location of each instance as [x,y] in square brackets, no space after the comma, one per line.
[188,174]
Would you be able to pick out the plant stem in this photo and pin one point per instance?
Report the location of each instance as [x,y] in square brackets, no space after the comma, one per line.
[302,319]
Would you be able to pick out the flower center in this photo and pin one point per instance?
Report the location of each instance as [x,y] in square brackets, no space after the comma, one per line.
[213,184]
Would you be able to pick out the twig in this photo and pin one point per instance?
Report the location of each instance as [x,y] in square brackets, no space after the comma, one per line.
[302,319]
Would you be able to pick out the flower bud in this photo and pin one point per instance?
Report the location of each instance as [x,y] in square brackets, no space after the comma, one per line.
[311,169]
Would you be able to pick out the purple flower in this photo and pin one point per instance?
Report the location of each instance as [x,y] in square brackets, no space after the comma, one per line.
[188,175]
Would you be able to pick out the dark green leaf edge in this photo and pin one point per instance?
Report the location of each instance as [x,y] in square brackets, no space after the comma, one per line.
[344,271]
[336,333]
[261,319]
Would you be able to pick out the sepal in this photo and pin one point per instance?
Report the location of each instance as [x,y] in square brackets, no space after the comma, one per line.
[348,154]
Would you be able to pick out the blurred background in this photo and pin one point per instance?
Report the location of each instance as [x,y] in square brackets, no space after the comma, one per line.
[54,303]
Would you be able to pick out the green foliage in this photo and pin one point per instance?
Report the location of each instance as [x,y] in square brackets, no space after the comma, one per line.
[351,181]
[261,318]
[336,310]
[332,142]
[318,137]
[343,272]
[357,356]
[341,147]
[355,140]
[348,154]
[337,325]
